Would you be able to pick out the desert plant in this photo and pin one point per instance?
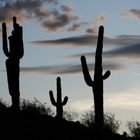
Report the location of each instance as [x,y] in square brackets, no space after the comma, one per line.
[70,114]
[97,83]
[58,103]
[14,53]
[3,105]
[35,107]
[134,128]
[110,123]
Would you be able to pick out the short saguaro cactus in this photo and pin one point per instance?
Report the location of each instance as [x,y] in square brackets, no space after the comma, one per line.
[58,103]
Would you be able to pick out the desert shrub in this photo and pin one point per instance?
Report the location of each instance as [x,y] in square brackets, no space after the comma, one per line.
[134,128]
[70,114]
[3,105]
[35,106]
[110,123]
[88,119]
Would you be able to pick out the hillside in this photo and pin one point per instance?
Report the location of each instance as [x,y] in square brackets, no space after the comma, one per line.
[23,125]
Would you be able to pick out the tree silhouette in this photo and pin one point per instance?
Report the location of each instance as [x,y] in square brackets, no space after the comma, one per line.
[97,83]
[14,53]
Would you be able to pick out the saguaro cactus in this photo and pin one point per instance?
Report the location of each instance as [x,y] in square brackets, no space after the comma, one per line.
[14,53]
[97,83]
[58,103]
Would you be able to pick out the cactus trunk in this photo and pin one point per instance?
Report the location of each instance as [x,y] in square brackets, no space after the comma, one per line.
[12,68]
[14,53]
[59,109]
[97,84]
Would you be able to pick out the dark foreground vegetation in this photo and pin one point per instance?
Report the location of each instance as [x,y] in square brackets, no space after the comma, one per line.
[34,122]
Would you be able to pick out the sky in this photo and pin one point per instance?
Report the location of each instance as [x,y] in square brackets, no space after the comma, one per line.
[57,32]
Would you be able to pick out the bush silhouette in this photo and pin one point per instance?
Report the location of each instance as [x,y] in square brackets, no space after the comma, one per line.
[110,123]
[70,114]
[134,128]
[35,107]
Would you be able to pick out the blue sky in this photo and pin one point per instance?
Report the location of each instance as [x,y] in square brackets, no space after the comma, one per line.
[57,33]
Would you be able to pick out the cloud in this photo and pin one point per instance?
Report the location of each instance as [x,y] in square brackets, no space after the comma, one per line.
[92,27]
[134,13]
[84,40]
[100,20]
[50,17]
[50,14]
[93,31]
[67,7]
[76,26]
[56,20]
[76,40]
[128,51]
[66,69]
[21,8]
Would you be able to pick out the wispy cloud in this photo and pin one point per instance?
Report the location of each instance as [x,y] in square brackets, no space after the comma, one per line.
[127,51]
[130,51]
[84,40]
[76,40]
[133,13]
[66,69]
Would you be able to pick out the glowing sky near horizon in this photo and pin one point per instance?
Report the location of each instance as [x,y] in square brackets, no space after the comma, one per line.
[58,32]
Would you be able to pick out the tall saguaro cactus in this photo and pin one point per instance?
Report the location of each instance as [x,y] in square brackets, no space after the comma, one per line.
[58,103]
[97,83]
[14,53]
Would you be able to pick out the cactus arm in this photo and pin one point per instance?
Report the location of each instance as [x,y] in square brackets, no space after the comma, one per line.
[65,100]
[86,74]
[106,75]
[4,36]
[52,98]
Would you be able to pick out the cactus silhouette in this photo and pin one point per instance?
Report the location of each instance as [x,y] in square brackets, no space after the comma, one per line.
[58,103]
[97,83]
[14,53]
